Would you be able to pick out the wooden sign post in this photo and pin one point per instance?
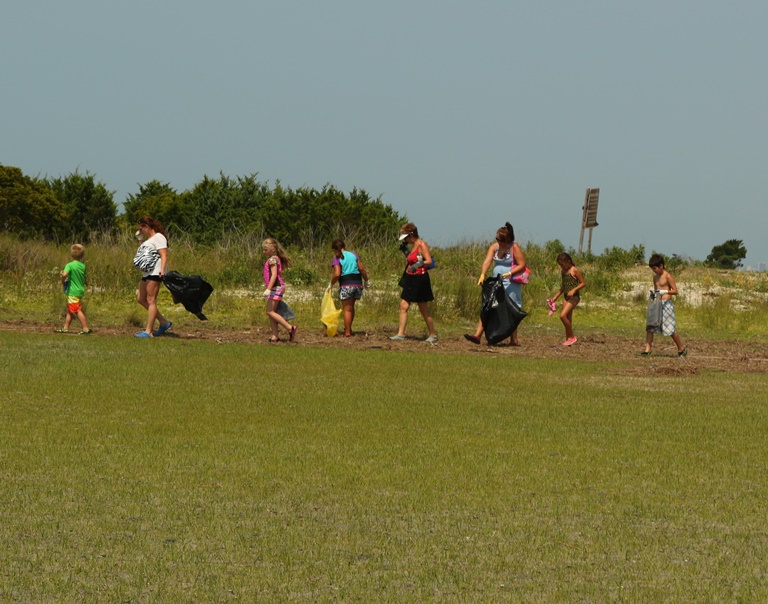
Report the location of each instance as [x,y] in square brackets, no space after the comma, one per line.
[589,219]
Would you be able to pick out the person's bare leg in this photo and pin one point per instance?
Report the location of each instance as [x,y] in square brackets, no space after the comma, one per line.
[276,318]
[427,314]
[153,314]
[404,306]
[566,316]
[349,315]
[648,341]
[479,330]
[678,342]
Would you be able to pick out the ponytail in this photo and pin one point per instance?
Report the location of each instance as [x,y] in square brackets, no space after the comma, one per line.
[511,232]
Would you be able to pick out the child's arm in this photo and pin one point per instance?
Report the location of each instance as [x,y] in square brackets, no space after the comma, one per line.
[64,276]
[336,273]
[671,285]
[576,274]
[362,270]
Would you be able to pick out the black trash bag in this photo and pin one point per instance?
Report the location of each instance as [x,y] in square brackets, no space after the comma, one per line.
[499,314]
[192,292]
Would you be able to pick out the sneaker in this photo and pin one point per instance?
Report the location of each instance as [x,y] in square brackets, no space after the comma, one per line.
[62,331]
[570,341]
[292,337]
[398,338]
[472,338]
[645,353]
[142,334]
[683,352]
[162,329]
[85,332]
[431,339]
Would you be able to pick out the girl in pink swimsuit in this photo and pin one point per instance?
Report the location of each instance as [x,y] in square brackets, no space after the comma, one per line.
[275,286]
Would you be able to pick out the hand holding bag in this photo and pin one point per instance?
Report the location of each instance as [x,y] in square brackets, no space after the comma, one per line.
[653,317]
[146,258]
[329,315]
[499,314]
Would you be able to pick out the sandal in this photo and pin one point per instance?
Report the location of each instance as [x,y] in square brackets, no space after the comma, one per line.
[85,332]
[293,333]
[472,338]
[162,329]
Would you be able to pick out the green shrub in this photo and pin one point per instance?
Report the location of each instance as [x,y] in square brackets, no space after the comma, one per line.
[301,275]
[617,258]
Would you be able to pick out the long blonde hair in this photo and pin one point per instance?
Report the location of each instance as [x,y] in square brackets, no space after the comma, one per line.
[274,244]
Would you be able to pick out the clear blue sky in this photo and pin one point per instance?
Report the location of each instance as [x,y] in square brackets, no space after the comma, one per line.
[460,114]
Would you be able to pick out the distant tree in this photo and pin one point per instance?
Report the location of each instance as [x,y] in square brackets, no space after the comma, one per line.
[728,255]
[371,219]
[158,200]
[28,207]
[215,207]
[552,249]
[619,258]
[89,204]
[305,216]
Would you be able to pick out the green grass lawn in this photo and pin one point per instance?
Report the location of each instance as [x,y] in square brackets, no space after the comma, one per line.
[175,471]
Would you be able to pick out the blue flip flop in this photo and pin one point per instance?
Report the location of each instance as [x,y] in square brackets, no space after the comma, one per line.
[162,329]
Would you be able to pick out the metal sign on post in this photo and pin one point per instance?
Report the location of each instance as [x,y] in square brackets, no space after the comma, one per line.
[589,219]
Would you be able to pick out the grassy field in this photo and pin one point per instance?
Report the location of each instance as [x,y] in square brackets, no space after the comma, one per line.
[215,473]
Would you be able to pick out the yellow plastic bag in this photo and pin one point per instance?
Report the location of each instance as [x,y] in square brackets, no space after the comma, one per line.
[329,315]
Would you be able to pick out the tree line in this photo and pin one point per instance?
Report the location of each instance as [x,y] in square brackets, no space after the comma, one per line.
[77,206]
